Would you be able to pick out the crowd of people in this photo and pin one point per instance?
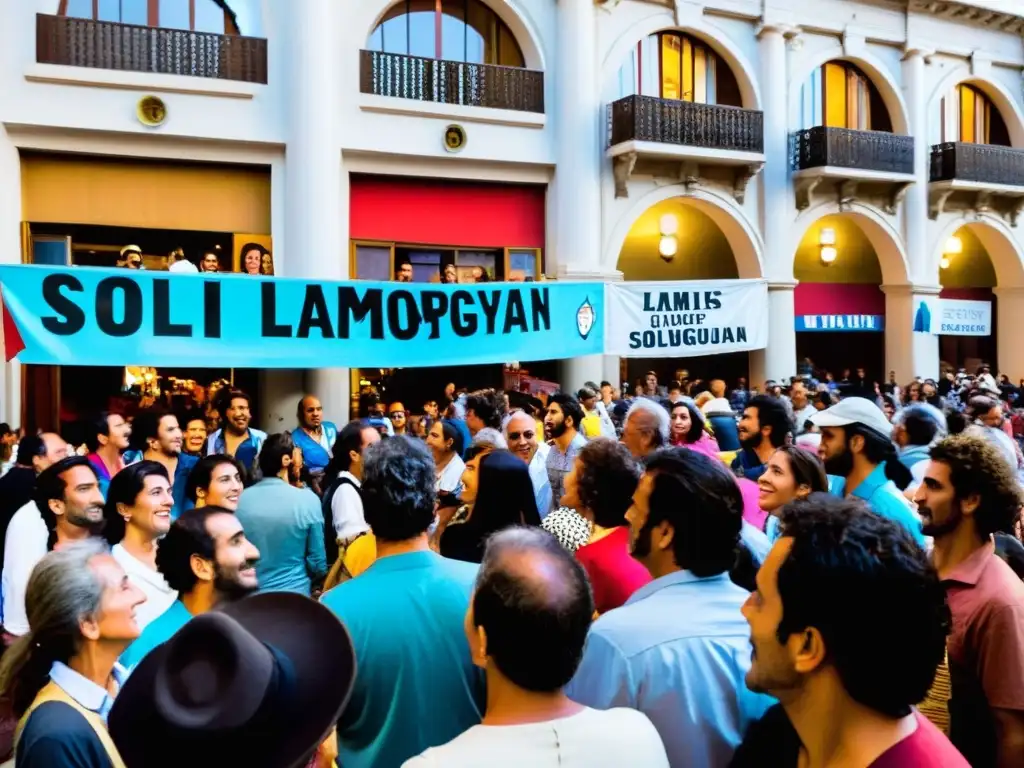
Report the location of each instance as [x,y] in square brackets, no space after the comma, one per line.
[821,574]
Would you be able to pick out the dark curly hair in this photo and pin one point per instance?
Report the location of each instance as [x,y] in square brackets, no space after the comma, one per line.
[850,574]
[201,474]
[488,405]
[606,481]
[696,420]
[398,488]
[188,536]
[977,467]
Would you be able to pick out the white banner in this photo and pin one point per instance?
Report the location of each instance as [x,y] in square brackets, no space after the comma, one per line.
[954,317]
[685,319]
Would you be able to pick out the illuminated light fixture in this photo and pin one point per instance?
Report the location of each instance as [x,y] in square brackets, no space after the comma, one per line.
[944,262]
[668,246]
[827,241]
[828,254]
[669,225]
[827,236]
[954,246]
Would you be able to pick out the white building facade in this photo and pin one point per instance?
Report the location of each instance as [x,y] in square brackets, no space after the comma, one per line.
[772,131]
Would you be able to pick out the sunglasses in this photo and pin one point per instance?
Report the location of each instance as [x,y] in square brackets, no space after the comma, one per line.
[513,436]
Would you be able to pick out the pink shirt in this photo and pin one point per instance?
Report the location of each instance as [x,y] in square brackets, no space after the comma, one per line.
[924,748]
[614,574]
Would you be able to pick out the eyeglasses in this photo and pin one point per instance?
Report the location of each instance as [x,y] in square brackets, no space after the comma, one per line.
[396,414]
[514,436]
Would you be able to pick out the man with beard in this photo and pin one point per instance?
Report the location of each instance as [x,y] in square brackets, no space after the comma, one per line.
[236,438]
[970,493]
[763,427]
[677,649]
[161,436]
[862,461]
[561,429]
[521,436]
[69,501]
[208,560]
[848,625]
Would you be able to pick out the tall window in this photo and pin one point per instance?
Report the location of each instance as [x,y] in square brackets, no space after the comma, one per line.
[968,115]
[839,95]
[453,30]
[673,65]
[196,15]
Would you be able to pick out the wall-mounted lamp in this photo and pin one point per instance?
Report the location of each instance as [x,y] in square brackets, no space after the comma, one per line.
[827,241]
[668,245]
[954,247]
[944,262]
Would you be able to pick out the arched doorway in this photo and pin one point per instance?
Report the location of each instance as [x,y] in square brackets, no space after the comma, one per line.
[966,273]
[691,239]
[841,263]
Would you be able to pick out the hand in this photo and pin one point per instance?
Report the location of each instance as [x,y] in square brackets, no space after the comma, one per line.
[327,753]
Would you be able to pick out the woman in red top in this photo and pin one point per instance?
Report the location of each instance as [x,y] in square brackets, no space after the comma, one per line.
[600,487]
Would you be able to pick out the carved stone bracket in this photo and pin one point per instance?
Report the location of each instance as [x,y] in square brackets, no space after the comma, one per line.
[898,193]
[937,202]
[982,202]
[847,194]
[1016,211]
[689,174]
[622,167]
[742,178]
[607,5]
[804,188]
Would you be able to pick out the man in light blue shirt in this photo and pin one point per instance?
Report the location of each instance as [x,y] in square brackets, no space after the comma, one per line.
[861,460]
[284,523]
[417,685]
[679,649]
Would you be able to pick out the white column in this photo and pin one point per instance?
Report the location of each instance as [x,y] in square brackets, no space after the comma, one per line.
[316,185]
[10,253]
[776,195]
[777,361]
[907,353]
[1009,319]
[915,211]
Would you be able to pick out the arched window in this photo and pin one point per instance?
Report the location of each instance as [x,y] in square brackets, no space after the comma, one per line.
[197,15]
[454,30]
[839,95]
[969,116]
[674,65]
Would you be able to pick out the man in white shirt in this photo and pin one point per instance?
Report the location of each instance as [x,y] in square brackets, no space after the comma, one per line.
[529,586]
[521,435]
[344,474]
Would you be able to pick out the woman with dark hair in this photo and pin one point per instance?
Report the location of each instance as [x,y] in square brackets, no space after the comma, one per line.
[216,481]
[688,429]
[497,492]
[252,258]
[600,487]
[445,441]
[137,516]
[792,473]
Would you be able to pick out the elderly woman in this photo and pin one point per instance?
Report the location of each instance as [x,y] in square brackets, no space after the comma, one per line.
[61,678]
[600,488]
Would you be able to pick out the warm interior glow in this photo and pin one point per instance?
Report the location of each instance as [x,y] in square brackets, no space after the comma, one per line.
[954,246]
[669,224]
[828,254]
[827,236]
[944,262]
[667,247]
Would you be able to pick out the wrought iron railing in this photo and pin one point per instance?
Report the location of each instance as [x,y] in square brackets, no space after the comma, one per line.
[845,148]
[669,121]
[451,82]
[984,163]
[132,48]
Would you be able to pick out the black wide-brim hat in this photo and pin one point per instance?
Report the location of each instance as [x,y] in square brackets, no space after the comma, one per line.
[257,683]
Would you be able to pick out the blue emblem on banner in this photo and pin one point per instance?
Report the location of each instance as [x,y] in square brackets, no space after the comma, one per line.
[585,317]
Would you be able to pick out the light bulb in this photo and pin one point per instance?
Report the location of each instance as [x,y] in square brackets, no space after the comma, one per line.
[944,262]
[669,224]
[668,247]
[827,236]
[828,254]
[954,246]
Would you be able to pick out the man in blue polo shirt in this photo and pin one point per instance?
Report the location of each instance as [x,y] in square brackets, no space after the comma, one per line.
[862,461]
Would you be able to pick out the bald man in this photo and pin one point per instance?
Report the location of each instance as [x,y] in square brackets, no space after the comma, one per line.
[526,442]
[315,437]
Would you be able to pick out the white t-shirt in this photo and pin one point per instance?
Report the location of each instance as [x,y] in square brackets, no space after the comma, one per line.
[450,479]
[24,547]
[158,592]
[347,509]
[592,738]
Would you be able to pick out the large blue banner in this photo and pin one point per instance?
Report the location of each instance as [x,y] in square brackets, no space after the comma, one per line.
[88,316]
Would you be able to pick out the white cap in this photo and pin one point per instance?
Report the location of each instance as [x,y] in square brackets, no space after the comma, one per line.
[854,410]
[183,266]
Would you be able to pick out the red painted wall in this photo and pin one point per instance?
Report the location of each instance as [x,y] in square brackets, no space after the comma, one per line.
[838,299]
[429,212]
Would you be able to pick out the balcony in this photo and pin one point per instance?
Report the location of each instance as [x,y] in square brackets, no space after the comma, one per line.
[130,48]
[451,82]
[647,133]
[984,176]
[856,161]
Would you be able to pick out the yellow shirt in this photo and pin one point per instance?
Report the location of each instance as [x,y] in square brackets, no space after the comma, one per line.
[361,554]
[591,426]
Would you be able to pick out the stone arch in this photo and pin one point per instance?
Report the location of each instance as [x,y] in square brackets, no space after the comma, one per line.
[871,65]
[1006,254]
[744,240]
[716,38]
[1008,107]
[884,238]
[511,12]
